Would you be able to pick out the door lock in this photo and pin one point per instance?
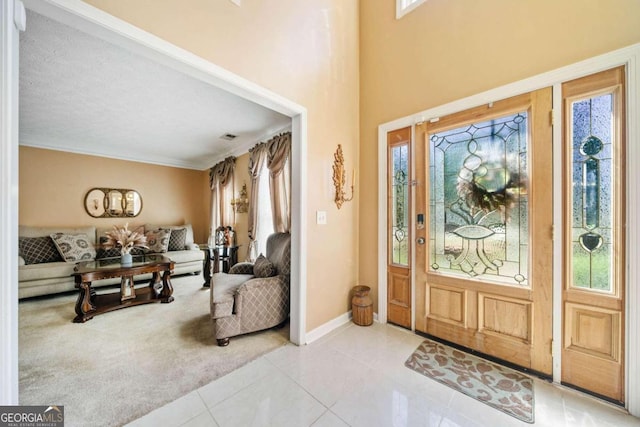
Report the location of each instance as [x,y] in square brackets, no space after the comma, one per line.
[420,240]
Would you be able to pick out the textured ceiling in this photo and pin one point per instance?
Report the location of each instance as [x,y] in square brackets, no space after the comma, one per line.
[81,94]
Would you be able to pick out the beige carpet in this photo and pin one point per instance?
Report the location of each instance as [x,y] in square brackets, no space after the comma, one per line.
[121,365]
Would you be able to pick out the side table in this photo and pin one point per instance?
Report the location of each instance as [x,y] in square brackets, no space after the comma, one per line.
[207,264]
[216,255]
[225,255]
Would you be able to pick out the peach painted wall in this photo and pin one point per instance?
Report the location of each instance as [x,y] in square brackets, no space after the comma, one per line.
[53,185]
[447,50]
[306,51]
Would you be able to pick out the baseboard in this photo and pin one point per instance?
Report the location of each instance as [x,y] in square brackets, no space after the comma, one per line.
[330,326]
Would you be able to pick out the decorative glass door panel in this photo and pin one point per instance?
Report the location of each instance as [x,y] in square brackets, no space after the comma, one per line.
[591,125]
[400,205]
[478,200]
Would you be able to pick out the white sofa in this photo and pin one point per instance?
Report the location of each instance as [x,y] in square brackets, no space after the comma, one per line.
[54,277]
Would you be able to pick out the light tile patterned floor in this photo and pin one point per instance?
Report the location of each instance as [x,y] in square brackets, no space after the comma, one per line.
[355,376]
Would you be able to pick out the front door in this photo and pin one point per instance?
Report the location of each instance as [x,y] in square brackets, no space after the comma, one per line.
[484,268]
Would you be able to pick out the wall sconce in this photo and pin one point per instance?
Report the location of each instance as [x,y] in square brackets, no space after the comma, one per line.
[241,204]
[339,178]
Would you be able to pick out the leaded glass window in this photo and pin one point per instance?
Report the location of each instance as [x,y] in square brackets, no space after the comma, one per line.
[591,154]
[478,201]
[399,181]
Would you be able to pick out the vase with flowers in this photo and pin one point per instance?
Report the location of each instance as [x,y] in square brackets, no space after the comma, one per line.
[124,239]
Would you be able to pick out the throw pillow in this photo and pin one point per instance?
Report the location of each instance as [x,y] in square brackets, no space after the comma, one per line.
[74,247]
[38,250]
[177,239]
[158,240]
[103,252]
[263,267]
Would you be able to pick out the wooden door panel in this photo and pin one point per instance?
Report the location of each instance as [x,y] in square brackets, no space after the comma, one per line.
[399,296]
[505,317]
[447,304]
[593,331]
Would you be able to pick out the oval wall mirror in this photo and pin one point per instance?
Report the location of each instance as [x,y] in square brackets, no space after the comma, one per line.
[112,202]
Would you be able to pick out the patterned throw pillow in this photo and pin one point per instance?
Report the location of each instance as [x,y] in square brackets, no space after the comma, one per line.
[158,240]
[263,267]
[103,252]
[74,247]
[38,250]
[177,239]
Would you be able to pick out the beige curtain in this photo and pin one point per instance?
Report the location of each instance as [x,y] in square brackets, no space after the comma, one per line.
[257,161]
[221,181]
[280,181]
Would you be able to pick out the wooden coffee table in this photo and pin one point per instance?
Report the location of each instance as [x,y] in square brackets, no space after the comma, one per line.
[90,303]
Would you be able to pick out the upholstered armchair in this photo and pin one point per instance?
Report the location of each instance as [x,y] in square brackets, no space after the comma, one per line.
[252,297]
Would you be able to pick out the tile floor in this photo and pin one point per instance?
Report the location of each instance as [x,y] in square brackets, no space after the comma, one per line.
[355,376]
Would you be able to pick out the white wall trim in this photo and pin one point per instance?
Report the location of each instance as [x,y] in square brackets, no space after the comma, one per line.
[632,352]
[382,220]
[626,56]
[9,63]
[84,17]
[298,319]
[332,325]
[328,327]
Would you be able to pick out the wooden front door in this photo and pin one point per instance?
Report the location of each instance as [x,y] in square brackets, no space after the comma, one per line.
[484,186]
[593,297]
[399,227]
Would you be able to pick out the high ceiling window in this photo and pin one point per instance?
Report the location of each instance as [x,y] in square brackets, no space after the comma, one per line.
[405,6]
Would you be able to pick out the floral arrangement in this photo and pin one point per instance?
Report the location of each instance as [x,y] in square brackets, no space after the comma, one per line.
[125,239]
[493,186]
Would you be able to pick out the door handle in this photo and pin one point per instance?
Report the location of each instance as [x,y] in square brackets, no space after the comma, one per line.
[420,240]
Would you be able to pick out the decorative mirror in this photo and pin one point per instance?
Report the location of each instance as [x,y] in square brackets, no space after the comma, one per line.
[112,203]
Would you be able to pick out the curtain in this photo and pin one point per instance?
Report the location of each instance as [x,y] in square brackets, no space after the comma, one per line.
[280,181]
[257,161]
[221,181]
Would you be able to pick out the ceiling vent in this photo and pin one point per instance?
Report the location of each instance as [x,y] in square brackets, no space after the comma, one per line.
[228,137]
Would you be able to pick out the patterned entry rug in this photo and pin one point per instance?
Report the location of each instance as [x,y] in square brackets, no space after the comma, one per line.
[502,388]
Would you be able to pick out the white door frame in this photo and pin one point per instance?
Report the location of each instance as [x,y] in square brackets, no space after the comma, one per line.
[9,40]
[96,22]
[629,57]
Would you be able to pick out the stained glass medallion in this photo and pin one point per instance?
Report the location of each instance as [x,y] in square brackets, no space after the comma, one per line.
[478,201]
[592,192]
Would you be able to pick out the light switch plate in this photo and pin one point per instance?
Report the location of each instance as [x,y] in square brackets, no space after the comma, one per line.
[321,217]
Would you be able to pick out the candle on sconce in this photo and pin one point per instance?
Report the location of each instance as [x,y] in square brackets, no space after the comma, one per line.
[353,177]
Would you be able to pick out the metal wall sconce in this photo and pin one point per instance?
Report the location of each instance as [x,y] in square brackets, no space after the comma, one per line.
[241,204]
[339,178]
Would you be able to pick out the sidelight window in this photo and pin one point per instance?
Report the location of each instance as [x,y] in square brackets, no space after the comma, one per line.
[399,191]
[592,191]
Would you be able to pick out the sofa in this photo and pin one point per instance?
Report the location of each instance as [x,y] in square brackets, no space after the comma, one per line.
[42,270]
[253,296]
